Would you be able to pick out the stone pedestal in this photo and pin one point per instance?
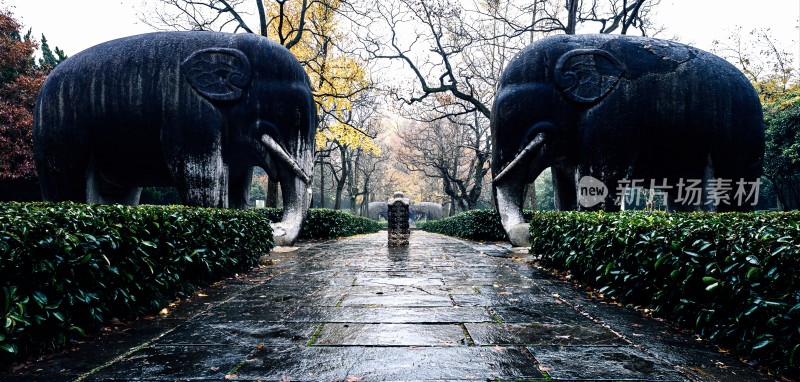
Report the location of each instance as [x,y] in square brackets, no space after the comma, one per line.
[399,230]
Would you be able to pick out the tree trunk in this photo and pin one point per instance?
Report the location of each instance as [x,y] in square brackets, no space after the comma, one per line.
[321,185]
[365,200]
[572,16]
[337,203]
[354,182]
[627,22]
[341,182]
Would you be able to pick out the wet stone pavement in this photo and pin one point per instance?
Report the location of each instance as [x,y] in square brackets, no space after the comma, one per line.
[356,310]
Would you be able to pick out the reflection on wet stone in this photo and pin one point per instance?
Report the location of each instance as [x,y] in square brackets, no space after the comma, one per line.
[389,364]
[542,334]
[242,333]
[168,363]
[420,315]
[610,363]
[395,299]
[391,335]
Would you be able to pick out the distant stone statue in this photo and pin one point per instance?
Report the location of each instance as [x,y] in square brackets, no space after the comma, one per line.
[378,210]
[196,110]
[605,111]
[424,211]
[399,229]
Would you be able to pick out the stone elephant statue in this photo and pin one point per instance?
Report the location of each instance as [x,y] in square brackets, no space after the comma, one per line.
[609,109]
[377,211]
[424,211]
[197,110]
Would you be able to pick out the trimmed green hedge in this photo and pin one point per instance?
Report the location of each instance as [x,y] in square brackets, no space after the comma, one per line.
[734,277]
[65,268]
[325,223]
[480,225]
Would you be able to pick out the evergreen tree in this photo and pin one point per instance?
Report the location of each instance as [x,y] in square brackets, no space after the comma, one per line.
[782,154]
[50,60]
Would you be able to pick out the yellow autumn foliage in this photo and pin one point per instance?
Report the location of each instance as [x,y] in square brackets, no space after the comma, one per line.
[347,136]
[335,78]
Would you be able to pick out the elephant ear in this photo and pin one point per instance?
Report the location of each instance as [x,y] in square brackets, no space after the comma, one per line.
[219,74]
[587,75]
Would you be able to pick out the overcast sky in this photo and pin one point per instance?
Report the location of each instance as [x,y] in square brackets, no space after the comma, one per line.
[74,25]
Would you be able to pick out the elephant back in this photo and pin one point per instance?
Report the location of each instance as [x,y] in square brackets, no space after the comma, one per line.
[147,67]
[132,94]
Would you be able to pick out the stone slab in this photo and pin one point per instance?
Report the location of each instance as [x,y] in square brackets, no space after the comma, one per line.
[418,299]
[185,363]
[542,334]
[603,363]
[384,315]
[239,333]
[349,334]
[318,363]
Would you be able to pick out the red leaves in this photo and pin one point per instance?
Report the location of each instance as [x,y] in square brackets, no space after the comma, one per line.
[20,82]
[16,127]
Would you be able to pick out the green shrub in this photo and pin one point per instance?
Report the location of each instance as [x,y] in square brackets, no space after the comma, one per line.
[734,277]
[325,223]
[65,268]
[479,225]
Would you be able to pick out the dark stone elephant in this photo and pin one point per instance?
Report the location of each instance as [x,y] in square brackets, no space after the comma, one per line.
[610,109]
[197,110]
[378,210]
[424,211]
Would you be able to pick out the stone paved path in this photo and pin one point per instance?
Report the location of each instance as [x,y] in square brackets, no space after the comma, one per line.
[355,310]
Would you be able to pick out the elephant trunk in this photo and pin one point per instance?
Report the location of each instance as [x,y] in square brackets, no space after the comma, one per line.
[523,157]
[296,189]
[509,186]
[278,152]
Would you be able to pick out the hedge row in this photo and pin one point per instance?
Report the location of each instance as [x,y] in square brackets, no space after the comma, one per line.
[325,223]
[735,277]
[480,225]
[66,268]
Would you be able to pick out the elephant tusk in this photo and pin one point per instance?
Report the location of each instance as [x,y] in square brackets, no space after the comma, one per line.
[533,145]
[279,152]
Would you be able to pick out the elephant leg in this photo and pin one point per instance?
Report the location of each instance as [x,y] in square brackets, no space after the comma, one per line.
[113,195]
[742,179]
[67,184]
[202,182]
[698,194]
[239,189]
[101,190]
[685,194]
[611,179]
[61,164]
[689,192]
[565,193]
